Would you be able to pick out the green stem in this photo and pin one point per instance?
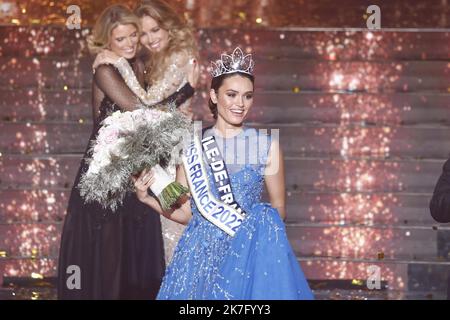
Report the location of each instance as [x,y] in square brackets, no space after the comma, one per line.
[171,194]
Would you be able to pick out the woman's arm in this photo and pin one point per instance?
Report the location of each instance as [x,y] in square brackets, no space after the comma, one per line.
[440,202]
[112,85]
[275,179]
[182,214]
[97,97]
[182,69]
[179,72]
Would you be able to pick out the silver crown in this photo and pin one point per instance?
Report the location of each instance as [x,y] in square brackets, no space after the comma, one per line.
[236,62]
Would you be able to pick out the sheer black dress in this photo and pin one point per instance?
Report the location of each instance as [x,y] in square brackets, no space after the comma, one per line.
[120,255]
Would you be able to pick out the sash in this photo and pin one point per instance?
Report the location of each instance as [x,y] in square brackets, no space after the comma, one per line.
[220,172]
[227,214]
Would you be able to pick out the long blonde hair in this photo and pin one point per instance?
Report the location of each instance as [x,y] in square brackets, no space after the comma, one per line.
[181,36]
[109,19]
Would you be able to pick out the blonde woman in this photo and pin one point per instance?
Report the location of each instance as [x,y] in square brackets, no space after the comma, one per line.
[170,55]
[105,254]
[171,70]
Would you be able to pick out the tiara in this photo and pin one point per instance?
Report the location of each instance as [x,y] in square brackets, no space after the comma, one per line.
[236,62]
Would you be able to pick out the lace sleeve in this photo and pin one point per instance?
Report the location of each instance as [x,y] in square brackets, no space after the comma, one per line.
[112,85]
[174,79]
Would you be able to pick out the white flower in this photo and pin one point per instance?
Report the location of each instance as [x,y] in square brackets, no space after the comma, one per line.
[116,148]
[101,158]
[126,123]
[112,118]
[93,169]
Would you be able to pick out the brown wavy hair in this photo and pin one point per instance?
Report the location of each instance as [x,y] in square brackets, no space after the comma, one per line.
[181,36]
[109,19]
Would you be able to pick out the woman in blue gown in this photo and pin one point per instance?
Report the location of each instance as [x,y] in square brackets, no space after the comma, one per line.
[256,261]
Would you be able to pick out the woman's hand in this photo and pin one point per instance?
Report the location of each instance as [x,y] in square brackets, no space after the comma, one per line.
[105,57]
[142,183]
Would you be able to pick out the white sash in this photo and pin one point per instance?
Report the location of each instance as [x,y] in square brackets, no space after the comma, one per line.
[220,214]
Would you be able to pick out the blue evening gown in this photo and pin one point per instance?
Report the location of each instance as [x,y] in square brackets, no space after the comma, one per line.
[258,262]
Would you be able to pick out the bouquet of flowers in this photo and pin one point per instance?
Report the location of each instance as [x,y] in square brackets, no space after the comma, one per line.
[126,144]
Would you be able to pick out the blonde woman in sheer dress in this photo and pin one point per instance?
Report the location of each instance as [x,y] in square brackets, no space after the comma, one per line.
[170,67]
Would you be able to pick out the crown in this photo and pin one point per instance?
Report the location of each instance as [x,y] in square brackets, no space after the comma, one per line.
[236,62]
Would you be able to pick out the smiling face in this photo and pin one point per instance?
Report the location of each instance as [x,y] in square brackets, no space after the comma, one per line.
[153,37]
[124,40]
[234,99]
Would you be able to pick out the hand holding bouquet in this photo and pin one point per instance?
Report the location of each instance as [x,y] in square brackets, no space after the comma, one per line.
[129,142]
